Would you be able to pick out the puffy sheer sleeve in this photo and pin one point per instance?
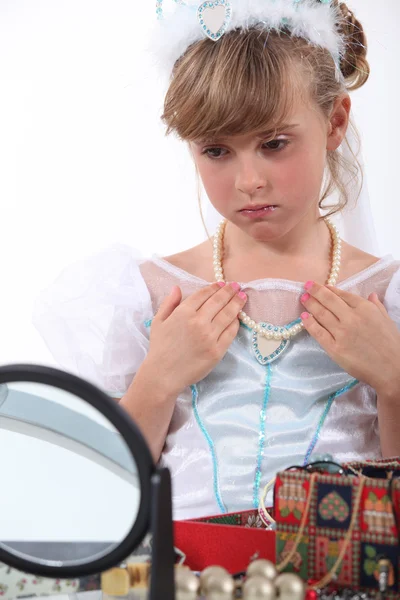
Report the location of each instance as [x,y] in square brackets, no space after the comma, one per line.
[93,318]
[392,298]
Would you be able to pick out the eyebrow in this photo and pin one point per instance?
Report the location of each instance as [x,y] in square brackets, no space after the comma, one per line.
[261,135]
[264,134]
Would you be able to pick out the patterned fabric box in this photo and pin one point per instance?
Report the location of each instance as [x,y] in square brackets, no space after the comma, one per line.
[348,515]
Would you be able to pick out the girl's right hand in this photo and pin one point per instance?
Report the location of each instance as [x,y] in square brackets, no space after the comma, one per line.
[188,339]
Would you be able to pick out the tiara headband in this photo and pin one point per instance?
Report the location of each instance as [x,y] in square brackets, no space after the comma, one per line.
[191,21]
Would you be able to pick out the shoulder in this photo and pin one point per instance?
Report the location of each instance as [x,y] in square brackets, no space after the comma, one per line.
[355,260]
[197,261]
[367,269]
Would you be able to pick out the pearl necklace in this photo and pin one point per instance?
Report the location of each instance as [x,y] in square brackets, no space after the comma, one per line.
[266,331]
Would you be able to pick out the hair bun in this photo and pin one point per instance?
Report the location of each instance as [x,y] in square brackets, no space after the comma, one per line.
[353,65]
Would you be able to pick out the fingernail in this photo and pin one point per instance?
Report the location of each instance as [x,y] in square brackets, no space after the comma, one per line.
[235,286]
[221,283]
[309,285]
[304,315]
[242,296]
[305,297]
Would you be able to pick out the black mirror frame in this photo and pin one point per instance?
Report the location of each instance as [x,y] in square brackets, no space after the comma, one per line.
[133,439]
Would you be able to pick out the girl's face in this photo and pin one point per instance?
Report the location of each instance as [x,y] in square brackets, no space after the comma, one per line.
[255,170]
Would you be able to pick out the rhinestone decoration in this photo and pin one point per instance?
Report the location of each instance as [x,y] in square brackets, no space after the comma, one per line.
[268,350]
[214,17]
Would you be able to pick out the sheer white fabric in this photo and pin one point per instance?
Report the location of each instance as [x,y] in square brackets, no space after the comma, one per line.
[94,319]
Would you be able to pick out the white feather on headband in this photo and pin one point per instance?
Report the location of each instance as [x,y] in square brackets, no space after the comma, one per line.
[312,20]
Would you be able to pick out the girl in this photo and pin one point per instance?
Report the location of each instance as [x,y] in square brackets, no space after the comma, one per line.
[275,341]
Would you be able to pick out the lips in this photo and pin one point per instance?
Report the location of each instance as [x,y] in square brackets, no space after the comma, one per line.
[257,208]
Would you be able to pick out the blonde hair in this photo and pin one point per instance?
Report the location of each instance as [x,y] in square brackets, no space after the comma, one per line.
[234,86]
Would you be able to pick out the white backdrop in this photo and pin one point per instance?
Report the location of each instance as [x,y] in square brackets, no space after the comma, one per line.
[83,158]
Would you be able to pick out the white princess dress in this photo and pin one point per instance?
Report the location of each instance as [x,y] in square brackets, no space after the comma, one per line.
[233,431]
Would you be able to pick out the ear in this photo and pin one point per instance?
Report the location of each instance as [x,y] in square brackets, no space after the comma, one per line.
[338,122]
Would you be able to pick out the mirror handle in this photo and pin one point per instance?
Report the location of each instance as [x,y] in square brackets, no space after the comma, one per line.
[162,581]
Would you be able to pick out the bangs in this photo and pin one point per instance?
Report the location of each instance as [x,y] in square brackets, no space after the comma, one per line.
[242,84]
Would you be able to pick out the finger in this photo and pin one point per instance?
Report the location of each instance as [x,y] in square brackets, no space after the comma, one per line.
[218,301]
[323,315]
[375,300]
[351,300]
[327,297]
[196,300]
[229,313]
[170,303]
[319,333]
[228,335]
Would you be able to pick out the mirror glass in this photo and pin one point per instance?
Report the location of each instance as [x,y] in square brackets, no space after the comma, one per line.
[70,486]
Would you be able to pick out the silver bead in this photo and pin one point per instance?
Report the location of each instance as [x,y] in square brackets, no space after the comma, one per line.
[186,581]
[218,582]
[262,567]
[257,587]
[290,587]
[212,570]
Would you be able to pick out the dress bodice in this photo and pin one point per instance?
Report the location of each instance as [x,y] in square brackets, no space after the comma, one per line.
[234,430]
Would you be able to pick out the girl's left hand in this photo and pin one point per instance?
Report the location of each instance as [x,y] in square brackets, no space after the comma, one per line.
[357,334]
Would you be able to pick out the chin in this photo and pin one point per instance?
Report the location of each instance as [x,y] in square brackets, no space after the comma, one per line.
[261,228]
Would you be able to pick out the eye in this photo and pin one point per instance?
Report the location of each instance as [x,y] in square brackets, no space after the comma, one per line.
[277,144]
[213,152]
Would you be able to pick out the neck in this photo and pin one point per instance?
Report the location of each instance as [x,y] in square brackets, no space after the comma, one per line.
[310,239]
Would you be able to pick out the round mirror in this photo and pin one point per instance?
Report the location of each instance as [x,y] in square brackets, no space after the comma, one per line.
[75,474]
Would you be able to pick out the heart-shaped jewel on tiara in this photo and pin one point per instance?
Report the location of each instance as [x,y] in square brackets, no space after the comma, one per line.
[214,18]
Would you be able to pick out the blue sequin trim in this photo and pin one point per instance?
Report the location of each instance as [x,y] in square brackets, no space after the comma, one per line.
[211,446]
[329,403]
[148,322]
[261,438]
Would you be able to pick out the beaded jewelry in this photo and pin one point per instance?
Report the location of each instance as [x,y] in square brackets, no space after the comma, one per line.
[269,341]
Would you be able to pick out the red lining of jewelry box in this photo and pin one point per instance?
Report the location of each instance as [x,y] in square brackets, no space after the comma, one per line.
[229,546]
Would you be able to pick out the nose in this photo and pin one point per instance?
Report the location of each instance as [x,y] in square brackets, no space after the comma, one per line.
[250,176]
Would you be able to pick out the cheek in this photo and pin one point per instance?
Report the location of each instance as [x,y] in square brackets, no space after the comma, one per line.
[216,181]
[301,174]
